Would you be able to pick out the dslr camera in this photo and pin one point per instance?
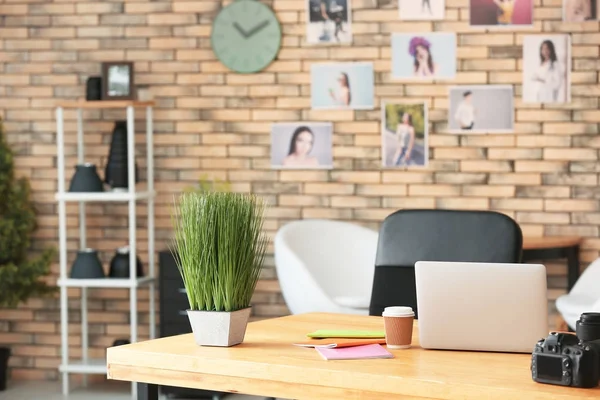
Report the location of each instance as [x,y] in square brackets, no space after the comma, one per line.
[570,360]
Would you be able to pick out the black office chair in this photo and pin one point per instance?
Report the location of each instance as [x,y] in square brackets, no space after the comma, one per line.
[408,236]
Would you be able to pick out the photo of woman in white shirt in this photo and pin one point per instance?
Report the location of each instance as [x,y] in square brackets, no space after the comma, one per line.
[465,112]
[546,69]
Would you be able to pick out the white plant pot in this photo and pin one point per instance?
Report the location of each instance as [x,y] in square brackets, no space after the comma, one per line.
[219,328]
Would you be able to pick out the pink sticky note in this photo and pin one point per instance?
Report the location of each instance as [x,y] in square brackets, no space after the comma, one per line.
[355,352]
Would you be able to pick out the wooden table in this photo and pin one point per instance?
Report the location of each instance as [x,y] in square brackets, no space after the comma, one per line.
[268,364]
[554,248]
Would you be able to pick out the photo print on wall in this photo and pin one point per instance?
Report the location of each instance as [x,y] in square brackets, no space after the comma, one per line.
[328,21]
[302,145]
[404,135]
[423,56]
[342,86]
[580,10]
[481,109]
[501,13]
[546,69]
[421,10]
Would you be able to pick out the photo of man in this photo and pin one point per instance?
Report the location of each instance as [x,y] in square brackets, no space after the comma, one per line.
[465,112]
[328,21]
[481,109]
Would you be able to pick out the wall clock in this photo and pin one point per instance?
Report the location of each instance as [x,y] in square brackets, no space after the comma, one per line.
[246,36]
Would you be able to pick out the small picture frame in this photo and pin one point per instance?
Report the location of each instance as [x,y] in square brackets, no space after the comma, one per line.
[118,81]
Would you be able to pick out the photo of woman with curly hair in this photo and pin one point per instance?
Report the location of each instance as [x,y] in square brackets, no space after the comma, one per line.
[429,55]
[419,48]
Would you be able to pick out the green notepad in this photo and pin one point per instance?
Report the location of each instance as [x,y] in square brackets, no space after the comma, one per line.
[327,333]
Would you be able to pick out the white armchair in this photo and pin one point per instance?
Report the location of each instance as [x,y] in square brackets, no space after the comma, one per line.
[583,297]
[326,266]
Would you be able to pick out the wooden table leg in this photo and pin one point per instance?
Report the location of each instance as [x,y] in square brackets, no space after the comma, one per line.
[147,391]
[573,266]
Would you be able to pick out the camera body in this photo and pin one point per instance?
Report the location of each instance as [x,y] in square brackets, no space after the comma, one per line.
[570,360]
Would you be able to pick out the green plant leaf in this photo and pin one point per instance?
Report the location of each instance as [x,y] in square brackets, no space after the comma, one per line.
[219,247]
[20,272]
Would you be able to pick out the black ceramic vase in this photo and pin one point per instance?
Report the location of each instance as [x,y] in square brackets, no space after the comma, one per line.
[87,265]
[4,356]
[93,88]
[119,265]
[86,179]
[116,172]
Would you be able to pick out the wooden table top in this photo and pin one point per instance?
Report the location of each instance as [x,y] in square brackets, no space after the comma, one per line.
[268,364]
[548,242]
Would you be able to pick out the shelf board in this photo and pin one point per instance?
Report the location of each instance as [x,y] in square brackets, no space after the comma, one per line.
[91,366]
[104,196]
[105,104]
[105,282]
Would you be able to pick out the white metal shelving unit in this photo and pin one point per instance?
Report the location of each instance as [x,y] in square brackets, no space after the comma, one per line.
[86,365]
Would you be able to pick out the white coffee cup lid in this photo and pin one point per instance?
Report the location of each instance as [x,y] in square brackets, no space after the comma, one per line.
[398,311]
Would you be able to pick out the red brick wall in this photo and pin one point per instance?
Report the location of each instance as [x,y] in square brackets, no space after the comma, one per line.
[211,121]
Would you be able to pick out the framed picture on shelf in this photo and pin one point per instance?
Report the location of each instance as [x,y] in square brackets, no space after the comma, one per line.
[118,81]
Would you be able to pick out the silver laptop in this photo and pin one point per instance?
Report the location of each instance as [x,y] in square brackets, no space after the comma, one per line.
[481,306]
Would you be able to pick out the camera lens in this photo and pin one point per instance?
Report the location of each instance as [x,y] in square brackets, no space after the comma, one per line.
[588,327]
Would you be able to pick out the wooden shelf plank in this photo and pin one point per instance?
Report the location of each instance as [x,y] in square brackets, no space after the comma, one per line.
[105,104]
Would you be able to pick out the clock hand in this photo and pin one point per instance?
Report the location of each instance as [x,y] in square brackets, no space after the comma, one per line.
[258,28]
[240,30]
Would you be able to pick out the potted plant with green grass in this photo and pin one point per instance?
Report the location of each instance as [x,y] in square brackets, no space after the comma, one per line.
[219,248]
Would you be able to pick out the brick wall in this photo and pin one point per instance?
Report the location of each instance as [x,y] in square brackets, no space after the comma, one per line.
[211,121]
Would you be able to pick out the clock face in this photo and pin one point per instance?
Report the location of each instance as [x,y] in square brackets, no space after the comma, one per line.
[246,36]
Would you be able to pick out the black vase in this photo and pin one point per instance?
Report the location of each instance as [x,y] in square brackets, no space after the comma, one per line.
[87,265]
[116,171]
[86,179]
[119,265]
[93,88]
[4,356]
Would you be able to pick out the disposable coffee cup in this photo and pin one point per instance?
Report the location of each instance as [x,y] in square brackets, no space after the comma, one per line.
[398,322]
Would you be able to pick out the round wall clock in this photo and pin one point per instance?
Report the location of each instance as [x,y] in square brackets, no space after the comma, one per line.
[246,36]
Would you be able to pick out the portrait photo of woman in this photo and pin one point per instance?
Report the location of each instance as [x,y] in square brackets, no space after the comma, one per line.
[425,56]
[329,21]
[301,145]
[404,135]
[348,85]
[419,49]
[546,69]
[579,10]
[500,13]
[340,92]
[421,10]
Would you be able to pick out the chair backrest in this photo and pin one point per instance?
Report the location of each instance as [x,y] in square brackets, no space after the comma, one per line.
[339,255]
[408,236]
[587,284]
